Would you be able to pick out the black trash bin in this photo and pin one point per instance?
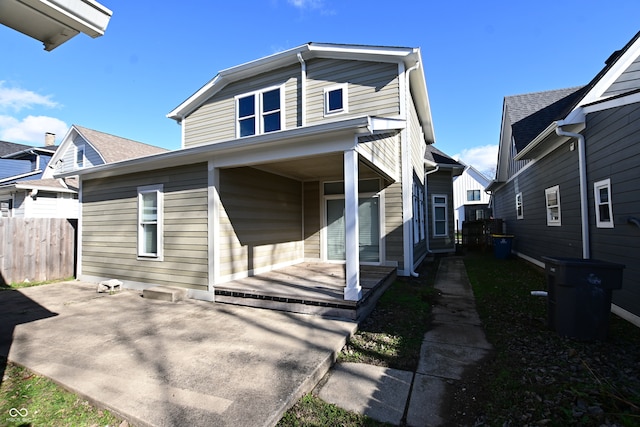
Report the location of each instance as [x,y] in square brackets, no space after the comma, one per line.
[579,296]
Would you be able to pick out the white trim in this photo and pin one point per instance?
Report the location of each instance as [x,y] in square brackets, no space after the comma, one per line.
[345,99]
[446,215]
[605,183]
[519,204]
[80,244]
[159,190]
[610,103]
[530,259]
[552,222]
[626,315]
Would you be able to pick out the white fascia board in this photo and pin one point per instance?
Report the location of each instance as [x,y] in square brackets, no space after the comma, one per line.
[24,175]
[86,16]
[63,147]
[26,186]
[202,153]
[618,101]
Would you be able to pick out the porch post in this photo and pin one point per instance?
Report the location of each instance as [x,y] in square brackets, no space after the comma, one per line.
[352,291]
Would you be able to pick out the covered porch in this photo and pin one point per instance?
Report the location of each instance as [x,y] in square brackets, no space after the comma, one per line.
[310,288]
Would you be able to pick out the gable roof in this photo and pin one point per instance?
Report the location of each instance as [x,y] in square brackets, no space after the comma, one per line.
[409,56]
[114,148]
[531,113]
[436,158]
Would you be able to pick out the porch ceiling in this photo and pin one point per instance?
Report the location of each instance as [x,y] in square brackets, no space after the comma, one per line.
[330,166]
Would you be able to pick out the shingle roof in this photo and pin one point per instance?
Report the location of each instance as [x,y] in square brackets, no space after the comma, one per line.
[531,113]
[436,156]
[11,147]
[114,148]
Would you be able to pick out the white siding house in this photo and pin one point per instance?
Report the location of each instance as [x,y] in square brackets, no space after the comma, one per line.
[470,201]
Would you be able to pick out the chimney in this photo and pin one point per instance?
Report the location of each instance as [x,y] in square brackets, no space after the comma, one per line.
[49,139]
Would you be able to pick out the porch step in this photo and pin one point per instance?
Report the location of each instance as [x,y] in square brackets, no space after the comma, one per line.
[165,293]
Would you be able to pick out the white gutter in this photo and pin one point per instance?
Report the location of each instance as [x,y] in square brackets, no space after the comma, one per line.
[582,167]
[303,89]
[407,183]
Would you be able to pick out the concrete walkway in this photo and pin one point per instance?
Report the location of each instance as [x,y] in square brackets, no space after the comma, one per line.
[455,341]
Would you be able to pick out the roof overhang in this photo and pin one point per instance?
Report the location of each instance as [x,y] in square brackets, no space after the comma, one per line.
[53,22]
[275,146]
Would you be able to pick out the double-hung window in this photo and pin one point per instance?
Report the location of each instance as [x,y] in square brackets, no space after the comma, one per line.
[519,208]
[335,99]
[150,223]
[602,197]
[440,214]
[552,196]
[259,112]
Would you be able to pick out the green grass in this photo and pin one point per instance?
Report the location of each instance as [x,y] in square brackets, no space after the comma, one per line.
[310,411]
[27,399]
[19,285]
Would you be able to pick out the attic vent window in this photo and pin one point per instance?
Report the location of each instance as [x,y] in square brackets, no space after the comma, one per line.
[335,99]
[259,112]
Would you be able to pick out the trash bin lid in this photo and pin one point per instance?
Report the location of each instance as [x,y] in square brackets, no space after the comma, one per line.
[500,236]
[579,262]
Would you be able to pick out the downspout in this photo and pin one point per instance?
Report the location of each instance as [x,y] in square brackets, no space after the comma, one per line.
[426,210]
[407,179]
[582,167]
[303,90]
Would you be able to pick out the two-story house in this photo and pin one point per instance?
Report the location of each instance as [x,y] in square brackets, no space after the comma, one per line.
[567,174]
[471,202]
[315,154]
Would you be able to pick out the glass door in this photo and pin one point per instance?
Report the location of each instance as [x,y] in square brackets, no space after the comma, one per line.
[368,230]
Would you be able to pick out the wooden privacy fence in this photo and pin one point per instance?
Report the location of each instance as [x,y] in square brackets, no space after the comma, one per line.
[37,249]
[477,234]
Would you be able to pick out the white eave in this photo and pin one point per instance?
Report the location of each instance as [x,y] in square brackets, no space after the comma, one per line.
[343,128]
[53,22]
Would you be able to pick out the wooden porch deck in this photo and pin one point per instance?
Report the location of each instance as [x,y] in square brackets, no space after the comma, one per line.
[310,288]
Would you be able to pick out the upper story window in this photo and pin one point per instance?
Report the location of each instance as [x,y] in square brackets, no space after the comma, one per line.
[602,197]
[335,99]
[259,112]
[473,195]
[80,156]
[552,196]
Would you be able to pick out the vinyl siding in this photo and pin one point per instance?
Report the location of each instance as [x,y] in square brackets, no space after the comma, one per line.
[68,164]
[260,221]
[614,152]
[440,183]
[382,151]
[393,223]
[629,80]
[215,120]
[312,220]
[416,139]
[533,237]
[110,228]
[373,88]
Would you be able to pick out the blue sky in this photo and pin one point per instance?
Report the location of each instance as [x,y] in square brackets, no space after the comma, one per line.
[156,54]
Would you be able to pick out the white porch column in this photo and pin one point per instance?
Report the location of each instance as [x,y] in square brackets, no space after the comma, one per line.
[352,291]
[213,225]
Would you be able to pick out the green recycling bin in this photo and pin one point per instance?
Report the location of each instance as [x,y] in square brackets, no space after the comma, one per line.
[502,244]
[579,296]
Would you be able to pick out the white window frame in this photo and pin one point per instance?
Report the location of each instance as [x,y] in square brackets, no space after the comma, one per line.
[519,206]
[80,151]
[444,205]
[159,254]
[552,221]
[597,186]
[345,98]
[258,113]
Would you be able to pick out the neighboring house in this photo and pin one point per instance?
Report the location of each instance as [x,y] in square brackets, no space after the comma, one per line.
[35,193]
[313,154]
[470,201]
[567,177]
[53,22]
[441,201]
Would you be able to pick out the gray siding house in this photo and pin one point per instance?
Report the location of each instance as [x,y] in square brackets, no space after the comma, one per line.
[567,177]
[315,154]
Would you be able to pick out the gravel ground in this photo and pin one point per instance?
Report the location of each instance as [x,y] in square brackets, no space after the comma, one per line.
[537,378]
